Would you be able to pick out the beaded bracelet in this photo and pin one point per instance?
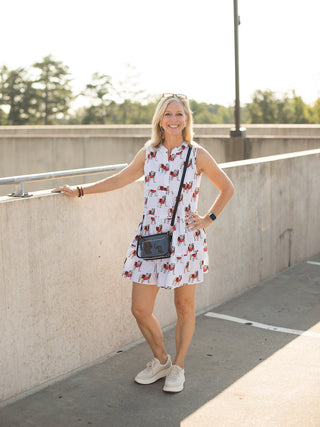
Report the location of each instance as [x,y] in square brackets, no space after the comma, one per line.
[82,192]
[79,191]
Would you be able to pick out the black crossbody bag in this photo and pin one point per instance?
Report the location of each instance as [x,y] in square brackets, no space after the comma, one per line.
[158,246]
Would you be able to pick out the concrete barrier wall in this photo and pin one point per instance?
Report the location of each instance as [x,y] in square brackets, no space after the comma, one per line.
[63,303]
[36,149]
[256,147]
[145,130]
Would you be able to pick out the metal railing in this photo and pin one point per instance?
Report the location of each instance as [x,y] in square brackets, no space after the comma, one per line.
[20,179]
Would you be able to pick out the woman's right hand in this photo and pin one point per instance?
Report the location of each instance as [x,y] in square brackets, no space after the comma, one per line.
[66,190]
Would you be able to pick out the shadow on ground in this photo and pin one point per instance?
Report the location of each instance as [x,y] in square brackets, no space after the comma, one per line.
[221,353]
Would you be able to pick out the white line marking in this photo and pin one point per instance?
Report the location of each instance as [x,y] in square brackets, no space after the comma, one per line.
[263,325]
[313,262]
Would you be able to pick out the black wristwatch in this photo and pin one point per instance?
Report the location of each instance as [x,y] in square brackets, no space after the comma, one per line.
[212,216]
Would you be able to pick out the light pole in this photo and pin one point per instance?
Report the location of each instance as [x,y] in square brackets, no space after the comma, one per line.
[238,131]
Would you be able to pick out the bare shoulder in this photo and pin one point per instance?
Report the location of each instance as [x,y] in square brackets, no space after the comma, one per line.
[141,154]
[139,158]
[137,164]
[204,159]
[133,171]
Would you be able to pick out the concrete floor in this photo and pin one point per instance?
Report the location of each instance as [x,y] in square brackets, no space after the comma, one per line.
[236,374]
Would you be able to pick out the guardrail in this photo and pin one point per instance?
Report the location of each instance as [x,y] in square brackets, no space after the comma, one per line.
[20,179]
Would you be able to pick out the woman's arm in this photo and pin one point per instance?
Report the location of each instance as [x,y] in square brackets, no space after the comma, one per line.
[207,165]
[127,175]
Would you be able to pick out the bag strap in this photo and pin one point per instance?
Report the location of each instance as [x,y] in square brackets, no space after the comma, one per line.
[180,188]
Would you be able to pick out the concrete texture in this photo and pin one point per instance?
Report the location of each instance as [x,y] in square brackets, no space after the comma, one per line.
[236,375]
[36,149]
[63,303]
[145,130]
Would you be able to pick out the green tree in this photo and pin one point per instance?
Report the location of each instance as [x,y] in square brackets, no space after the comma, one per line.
[315,112]
[225,115]
[54,93]
[3,117]
[17,96]
[137,112]
[98,91]
[263,108]
[129,91]
[201,114]
[301,110]
[204,113]
[290,108]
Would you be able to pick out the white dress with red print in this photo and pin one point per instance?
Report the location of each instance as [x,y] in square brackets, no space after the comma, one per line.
[189,257]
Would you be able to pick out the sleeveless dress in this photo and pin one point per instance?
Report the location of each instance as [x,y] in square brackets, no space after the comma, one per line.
[189,257]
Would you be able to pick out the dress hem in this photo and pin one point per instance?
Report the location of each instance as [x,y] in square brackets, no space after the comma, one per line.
[159,286]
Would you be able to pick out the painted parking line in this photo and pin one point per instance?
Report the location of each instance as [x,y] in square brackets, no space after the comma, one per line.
[313,262]
[263,325]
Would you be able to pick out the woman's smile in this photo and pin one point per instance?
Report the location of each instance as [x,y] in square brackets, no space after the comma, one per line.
[174,117]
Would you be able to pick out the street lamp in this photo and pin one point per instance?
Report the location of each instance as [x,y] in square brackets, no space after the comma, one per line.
[238,131]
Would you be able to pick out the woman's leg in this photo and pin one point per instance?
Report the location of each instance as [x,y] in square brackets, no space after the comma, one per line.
[143,299]
[184,301]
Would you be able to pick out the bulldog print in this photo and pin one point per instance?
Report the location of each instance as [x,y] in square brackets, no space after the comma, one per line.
[162,201]
[177,280]
[181,239]
[144,277]
[193,277]
[137,265]
[174,174]
[163,167]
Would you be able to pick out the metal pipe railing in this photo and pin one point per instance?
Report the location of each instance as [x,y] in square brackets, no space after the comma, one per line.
[20,179]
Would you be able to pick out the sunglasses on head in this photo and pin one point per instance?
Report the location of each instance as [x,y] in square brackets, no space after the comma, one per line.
[174,95]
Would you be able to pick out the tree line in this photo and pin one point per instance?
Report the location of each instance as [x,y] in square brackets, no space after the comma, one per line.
[42,94]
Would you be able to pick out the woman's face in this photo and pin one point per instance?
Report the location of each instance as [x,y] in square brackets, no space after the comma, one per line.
[174,119]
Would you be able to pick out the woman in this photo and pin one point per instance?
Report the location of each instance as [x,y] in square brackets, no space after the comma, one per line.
[161,161]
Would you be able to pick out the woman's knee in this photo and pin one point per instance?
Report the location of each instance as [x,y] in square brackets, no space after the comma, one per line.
[143,299]
[140,312]
[184,306]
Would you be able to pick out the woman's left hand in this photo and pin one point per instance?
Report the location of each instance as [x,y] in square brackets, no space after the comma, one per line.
[195,221]
[66,190]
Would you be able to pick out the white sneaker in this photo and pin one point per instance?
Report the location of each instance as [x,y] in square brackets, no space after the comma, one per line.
[154,371]
[174,380]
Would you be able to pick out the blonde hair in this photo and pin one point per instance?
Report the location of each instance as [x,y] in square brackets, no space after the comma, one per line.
[157,137]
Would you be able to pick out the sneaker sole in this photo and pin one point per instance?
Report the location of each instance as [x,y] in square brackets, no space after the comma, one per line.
[155,378]
[169,389]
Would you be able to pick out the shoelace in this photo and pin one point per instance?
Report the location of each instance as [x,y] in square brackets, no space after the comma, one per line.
[174,372]
[150,365]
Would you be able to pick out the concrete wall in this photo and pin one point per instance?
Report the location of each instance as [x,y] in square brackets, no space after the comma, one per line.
[145,130]
[35,149]
[63,303]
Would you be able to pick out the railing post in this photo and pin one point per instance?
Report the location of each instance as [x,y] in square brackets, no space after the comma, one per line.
[19,191]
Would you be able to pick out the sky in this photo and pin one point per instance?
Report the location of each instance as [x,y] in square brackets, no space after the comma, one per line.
[180,46]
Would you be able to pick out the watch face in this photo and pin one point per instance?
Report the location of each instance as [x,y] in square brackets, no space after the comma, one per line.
[212,216]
